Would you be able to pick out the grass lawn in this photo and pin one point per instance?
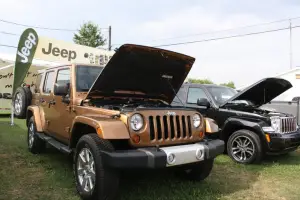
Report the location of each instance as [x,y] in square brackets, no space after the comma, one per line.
[49,176]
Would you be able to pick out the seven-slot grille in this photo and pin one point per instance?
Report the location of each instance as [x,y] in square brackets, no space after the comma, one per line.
[288,124]
[170,127]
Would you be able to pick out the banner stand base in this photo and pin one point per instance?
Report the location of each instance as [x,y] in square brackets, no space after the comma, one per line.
[12,115]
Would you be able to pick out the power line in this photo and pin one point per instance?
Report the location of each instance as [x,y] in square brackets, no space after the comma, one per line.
[224,30]
[5,45]
[226,37]
[40,27]
[231,29]
[7,33]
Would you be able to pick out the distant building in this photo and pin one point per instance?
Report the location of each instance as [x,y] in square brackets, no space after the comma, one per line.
[293,76]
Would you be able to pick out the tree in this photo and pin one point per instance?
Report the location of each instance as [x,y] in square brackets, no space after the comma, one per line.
[229,84]
[200,81]
[89,35]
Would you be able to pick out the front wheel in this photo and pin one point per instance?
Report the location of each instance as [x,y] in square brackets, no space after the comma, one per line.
[93,179]
[244,146]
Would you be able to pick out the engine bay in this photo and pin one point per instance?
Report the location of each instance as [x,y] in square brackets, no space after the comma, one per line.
[128,105]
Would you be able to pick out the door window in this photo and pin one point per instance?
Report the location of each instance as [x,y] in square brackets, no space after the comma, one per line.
[49,82]
[63,76]
[194,94]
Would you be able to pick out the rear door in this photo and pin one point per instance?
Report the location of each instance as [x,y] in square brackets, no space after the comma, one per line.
[46,95]
[60,117]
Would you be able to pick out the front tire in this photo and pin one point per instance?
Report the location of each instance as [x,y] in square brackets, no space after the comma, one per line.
[93,179]
[35,144]
[245,147]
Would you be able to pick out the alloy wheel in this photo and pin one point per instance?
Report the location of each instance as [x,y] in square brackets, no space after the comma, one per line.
[242,148]
[86,170]
[31,135]
[18,103]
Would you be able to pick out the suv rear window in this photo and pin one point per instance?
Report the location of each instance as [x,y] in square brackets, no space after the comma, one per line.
[49,82]
[38,82]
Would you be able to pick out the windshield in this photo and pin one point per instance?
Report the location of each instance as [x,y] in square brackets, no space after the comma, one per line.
[86,76]
[221,94]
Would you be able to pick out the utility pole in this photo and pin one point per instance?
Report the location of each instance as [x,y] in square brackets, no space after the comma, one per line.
[291,47]
[109,38]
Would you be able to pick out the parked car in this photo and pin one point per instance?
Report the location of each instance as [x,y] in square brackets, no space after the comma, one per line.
[119,119]
[248,131]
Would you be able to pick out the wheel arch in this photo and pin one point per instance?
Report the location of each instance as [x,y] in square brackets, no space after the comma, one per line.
[235,124]
[83,125]
[35,112]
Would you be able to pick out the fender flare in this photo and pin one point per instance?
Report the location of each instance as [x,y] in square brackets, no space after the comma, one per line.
[106,128]
[38,118]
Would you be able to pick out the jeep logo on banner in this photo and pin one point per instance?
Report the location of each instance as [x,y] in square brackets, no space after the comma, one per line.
[66,52]
[26,49]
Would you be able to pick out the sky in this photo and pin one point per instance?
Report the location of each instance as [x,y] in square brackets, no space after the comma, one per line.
[242,60]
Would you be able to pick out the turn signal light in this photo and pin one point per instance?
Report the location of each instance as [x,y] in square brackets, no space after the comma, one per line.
[136,138]
[99,131]
[201,134]
[268,137]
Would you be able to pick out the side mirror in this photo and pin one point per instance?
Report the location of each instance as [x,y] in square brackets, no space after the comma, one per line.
[203,102]
[61,89]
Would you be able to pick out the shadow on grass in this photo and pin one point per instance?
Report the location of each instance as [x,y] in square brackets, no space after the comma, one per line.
[225,179]
[292,158]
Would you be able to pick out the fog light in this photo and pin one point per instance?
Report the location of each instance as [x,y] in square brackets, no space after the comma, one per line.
[171,158]
[199,154]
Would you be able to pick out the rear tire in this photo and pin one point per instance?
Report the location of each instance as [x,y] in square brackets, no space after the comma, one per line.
[35,144]
[245,147]
[93,179]
[21,100]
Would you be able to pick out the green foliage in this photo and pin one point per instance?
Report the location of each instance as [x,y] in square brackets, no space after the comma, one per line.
[207,81]
[49,176]
[229,84]
[89,35]
[200,81]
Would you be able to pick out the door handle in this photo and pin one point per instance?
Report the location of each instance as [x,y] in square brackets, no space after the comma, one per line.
[51,102]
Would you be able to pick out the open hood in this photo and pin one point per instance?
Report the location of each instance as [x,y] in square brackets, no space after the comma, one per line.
[262,91]
[140,71]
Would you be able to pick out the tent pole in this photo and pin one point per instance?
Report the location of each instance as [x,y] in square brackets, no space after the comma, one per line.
[12,114]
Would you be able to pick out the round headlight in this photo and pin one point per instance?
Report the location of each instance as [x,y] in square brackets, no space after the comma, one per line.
[136,122]
[196,120]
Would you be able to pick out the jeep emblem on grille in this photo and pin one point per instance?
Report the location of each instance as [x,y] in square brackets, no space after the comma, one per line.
[171,113]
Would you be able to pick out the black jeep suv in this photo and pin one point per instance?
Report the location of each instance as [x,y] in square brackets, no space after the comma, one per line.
[248,131]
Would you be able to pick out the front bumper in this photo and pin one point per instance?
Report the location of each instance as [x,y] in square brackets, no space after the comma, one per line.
[281,143]
[160,157]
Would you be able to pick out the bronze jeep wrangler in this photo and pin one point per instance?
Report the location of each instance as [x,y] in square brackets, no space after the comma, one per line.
[119,117]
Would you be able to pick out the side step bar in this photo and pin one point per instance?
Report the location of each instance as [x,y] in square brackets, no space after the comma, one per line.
[56,144]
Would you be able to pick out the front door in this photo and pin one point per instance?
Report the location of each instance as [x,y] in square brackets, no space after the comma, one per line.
[195,93]
[59,117]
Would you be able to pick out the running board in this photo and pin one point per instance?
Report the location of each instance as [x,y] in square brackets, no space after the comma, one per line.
[56,144]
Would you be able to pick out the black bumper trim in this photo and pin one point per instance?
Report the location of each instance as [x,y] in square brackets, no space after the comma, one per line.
[153,157]
[284,142]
